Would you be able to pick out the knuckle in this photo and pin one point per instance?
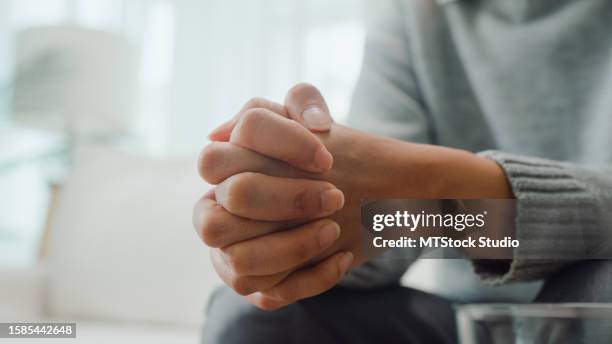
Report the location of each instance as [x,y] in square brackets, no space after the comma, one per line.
[285,295]
[256,102]
[304,202]
[302,251]
[253,115]
[210,159]
[238,191]
[241,285]
[330,277]
[212,229]
[267,304]
[246,129]
[300,199]
[237,260]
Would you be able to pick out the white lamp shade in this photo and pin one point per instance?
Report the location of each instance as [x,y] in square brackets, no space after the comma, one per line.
[74,79]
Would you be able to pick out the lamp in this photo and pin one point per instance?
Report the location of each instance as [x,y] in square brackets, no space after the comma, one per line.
[74,80]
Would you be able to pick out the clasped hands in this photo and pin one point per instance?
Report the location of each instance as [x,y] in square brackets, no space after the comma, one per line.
[283,220]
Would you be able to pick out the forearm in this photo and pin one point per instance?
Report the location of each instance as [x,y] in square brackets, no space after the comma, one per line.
[404,170]
[410,170]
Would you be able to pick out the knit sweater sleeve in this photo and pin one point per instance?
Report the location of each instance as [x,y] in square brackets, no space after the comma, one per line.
[563,214]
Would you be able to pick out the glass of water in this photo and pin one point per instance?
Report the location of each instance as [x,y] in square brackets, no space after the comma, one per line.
[535,323]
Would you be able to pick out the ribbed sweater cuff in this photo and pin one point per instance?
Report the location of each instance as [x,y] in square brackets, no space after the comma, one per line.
[556,221]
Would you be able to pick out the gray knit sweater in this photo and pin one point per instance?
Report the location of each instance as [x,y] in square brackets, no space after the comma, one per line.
[527,83]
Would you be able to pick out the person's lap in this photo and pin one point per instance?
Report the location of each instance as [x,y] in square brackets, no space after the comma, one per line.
[390,315]
[589,281]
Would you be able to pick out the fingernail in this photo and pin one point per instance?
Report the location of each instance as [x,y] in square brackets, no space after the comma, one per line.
[345,263]
[329,234]
[332,200]
[323,160]
[316,118]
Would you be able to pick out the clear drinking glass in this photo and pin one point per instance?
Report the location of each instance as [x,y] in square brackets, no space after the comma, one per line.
[535,323]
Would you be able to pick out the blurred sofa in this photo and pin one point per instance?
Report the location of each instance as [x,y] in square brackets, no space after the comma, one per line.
[123,259]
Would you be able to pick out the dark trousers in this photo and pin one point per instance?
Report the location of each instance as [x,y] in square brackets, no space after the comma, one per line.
[390,315]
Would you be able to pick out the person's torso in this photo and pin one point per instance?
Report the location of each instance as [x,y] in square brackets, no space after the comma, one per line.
[531,77]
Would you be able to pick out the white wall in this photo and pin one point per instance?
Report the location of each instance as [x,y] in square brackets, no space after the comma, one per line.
[202,59]
[4,55]
[228,51]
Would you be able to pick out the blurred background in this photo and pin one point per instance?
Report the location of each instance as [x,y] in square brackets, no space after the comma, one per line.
[104,105]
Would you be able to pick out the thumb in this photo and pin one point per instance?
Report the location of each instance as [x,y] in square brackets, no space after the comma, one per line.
[306,105]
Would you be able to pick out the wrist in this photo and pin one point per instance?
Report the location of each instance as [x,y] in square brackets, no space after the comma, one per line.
[408,170]
[435,172]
